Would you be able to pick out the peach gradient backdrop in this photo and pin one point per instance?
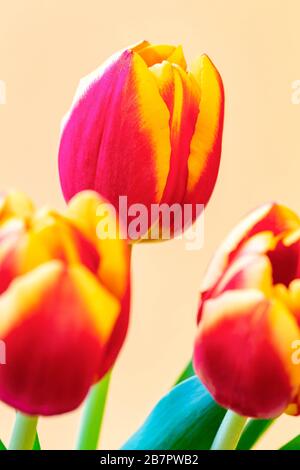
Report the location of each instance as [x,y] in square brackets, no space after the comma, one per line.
[45,47]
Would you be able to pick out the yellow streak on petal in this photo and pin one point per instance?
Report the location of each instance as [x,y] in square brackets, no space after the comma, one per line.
[26,294]
[290,297]
[156,54]
[101,306]
[139,46]
[209,119]
[167,76]
[154,120]
[294,289]
[230,304]
[282,293]
[50,236]
[255,270]
[261,242]
[177,57]
[292,237]
[292,409]
[15,204]
[83,210]
[284,330]
[173,76]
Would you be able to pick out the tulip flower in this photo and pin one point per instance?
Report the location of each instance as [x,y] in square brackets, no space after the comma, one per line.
[249,317]
[64,300]
[146,127]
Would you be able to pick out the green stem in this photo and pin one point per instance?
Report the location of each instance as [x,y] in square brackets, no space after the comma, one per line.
[92,417]
[229,432]
[24,432]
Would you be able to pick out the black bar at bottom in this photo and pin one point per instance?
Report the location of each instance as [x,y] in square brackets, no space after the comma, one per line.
[134,459]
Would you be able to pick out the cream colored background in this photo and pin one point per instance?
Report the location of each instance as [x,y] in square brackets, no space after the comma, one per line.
[45,47]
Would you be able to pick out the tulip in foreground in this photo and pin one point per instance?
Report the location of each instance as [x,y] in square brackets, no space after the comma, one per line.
[63,303]
[249,317]
[146,127]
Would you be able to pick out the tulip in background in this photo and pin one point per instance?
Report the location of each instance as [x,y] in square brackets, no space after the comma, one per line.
[64,303]
[145,126]
[249,317]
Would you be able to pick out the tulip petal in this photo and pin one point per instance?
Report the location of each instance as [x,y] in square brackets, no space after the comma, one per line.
[177,57]
[205,150]
[83,210]
[156,54]
[116,139]
[65,322]
[49,237]
[243,353]
[15,204]
[294,290]
[181,95]
[139,46]
[247,272]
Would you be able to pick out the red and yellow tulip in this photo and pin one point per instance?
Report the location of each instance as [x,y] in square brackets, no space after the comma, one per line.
[145,126]
[249,317]
[64,303]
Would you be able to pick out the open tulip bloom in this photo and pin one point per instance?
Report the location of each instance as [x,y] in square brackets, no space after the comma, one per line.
[146,129]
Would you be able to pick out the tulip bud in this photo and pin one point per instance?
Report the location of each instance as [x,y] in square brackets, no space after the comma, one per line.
[249,316]
[64,303]
[145,127]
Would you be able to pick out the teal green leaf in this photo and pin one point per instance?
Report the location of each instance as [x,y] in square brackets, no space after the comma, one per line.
[2,446]
[186,374]
[254,429]
[36,445]
[294,444]
[187,418]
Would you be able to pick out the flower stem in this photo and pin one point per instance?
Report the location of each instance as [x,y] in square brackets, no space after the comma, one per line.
[24,432]
[229,432]
[92,417]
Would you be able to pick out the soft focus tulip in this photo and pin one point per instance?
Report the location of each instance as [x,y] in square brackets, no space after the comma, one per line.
[64,301]
[145,126]
[249,317]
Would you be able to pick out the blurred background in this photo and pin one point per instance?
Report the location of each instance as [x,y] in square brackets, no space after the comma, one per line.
[46,46]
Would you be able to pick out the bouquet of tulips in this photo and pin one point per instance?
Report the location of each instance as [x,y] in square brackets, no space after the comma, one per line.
[145,130]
